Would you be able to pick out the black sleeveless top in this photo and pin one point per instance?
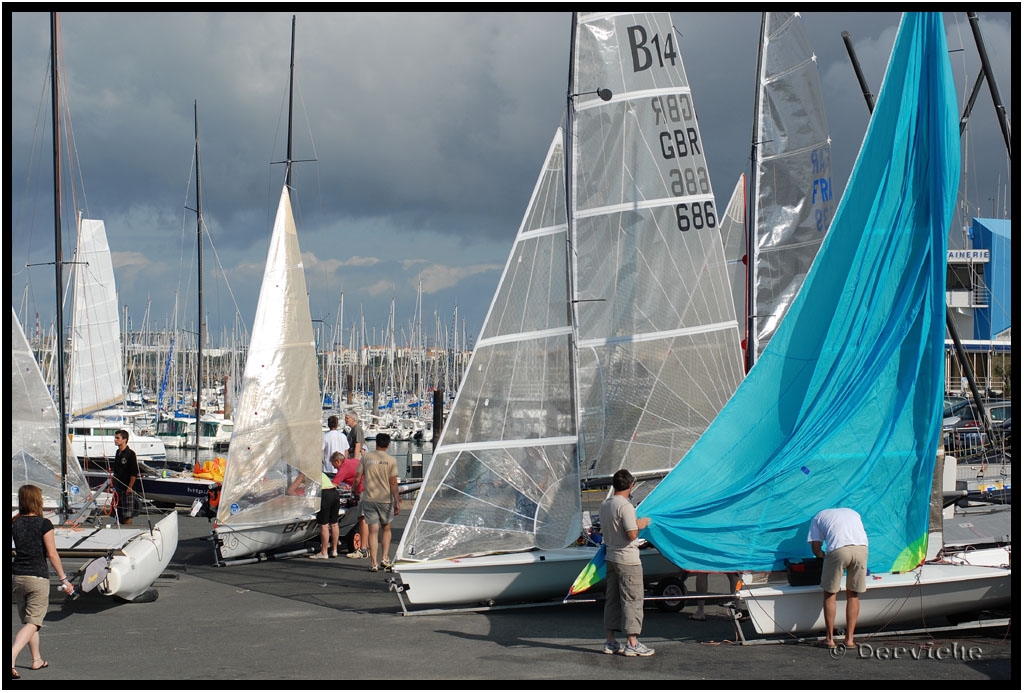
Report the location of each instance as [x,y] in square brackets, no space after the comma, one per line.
[29,550]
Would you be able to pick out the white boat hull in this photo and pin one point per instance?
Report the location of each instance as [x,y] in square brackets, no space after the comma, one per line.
[979,580]
[137,554]
[142,560]
[509,577]
[90,446]
[243,540]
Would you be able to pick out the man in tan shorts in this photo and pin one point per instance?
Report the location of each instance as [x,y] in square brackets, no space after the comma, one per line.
[379,501]
[842,533]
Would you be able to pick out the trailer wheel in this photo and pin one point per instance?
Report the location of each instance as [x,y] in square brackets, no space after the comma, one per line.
[670,587]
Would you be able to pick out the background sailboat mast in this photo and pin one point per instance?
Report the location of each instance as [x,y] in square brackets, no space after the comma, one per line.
[954,334]
[199,290]
[58,261]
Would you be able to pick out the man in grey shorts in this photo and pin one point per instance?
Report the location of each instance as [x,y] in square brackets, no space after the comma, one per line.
[842,533]
[379,500]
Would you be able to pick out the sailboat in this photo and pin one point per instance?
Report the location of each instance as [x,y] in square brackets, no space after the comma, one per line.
[124,562]
[843,408]
[271,489]
[610,341]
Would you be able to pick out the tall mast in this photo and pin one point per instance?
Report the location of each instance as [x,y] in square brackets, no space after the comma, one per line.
[58,261]
[199,289]
[570,252]
[291,90]
[750,343]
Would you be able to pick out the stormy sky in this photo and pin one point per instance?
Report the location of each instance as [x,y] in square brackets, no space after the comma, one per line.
[418,137]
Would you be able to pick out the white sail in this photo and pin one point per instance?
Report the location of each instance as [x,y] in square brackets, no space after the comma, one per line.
[793,200]
[276,441]
[642,307]
[508,446]
[35,427]
[96,370]
[657,348]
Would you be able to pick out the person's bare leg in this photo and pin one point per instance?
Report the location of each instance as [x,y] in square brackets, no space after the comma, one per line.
[364,534]
[385,542]
[28,635]
[334,539]
[373,544]
[323,541]
[852,612]
[829,609]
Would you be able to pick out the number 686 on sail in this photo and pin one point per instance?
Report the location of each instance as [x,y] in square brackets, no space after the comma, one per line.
[696,215]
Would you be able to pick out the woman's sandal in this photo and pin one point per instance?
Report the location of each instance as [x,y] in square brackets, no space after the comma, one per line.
[14,674]
[44,665]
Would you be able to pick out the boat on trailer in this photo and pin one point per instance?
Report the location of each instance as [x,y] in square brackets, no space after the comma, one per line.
[589,359]
[861,352]
[126,560]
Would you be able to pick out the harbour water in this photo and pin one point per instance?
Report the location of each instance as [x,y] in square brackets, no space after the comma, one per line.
[412,457]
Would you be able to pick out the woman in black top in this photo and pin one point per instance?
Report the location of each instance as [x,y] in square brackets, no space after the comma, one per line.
[33,544]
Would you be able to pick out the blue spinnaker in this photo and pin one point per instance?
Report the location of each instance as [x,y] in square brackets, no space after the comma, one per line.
[843,409]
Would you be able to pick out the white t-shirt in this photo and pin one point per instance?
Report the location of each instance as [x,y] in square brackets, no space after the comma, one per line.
[334,441]
[836,528]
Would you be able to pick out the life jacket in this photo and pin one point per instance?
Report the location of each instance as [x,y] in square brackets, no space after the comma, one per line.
[213,496]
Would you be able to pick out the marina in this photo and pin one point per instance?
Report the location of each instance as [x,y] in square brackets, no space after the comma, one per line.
[749,364]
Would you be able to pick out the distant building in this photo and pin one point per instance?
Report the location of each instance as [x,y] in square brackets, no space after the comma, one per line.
[980,297]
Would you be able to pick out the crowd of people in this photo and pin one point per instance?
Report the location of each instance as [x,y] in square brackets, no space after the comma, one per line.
[371,477]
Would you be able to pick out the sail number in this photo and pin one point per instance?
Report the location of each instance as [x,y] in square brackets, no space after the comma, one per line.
[644,51]
[821,190]
[696,215]
[297,526]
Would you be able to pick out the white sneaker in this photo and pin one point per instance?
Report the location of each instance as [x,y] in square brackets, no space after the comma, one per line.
[640,650]
[614,647]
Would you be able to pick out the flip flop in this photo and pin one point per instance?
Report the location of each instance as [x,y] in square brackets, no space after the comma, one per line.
[45,664]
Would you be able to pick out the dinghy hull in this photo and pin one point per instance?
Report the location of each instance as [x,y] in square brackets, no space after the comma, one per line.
[526,576]
[133,570]
[977,581]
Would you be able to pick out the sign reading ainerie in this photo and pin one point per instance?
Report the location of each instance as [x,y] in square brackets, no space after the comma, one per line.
[979,255]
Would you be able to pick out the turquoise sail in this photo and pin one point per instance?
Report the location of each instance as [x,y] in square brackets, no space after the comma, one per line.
[843,409]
